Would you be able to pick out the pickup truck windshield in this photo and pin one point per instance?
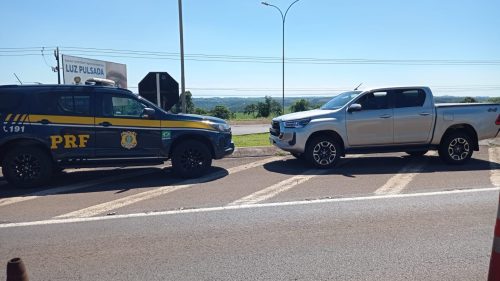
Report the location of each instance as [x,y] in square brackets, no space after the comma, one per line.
[340,100]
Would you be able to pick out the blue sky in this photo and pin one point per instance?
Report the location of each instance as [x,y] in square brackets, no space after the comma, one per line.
[445,30]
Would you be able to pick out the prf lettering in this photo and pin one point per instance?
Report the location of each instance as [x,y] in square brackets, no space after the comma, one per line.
[69,141]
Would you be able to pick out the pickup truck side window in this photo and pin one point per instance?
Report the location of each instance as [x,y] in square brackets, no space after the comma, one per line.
[374,101]
[409,98]
[117,106]
[10,101]
[62,104]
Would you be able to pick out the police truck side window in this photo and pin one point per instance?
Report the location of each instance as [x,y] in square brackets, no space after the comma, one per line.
[122,107]
[62,104]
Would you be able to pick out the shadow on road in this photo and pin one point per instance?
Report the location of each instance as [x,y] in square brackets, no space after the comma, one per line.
[350,167]
[89,181]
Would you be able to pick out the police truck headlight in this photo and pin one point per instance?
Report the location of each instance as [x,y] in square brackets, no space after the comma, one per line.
[297,123]
[221,127]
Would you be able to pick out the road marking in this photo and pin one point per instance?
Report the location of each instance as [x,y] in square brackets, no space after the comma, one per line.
[249,206]
[494,153]
[275,189]
[397,183]
[132,199]
[68,188]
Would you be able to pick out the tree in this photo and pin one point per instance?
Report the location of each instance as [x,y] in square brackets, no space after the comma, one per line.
[300,105]
[189,104]
[264,109]
[494,100]
[221,111]
[250,109]
[468,100]
[200,111]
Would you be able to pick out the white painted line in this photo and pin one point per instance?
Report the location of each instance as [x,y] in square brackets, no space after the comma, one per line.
[494,153]
[249,206]
[68,188]
[132,199]
[397,183]
[275,189]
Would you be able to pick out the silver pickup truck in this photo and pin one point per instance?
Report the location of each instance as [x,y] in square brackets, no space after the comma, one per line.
[399,119]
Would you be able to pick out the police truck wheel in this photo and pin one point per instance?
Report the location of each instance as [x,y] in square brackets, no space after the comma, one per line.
[191,159]
[456,148]
[323,152]
[27,166]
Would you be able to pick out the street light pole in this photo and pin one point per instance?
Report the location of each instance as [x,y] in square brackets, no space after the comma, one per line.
[283,19]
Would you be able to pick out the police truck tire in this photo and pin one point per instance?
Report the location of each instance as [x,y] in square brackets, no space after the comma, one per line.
[456,148]
[191,159]
[323,152]
[27,166]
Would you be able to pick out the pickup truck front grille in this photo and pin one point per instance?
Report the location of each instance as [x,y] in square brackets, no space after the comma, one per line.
[275,128]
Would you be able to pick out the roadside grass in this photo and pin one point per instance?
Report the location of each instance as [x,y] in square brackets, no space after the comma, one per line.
[252,140]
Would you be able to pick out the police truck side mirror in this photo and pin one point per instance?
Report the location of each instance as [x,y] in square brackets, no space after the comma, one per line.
[148,113]
[354,107]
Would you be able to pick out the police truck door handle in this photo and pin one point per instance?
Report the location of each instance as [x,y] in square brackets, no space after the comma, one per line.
[44,121]
[105,124]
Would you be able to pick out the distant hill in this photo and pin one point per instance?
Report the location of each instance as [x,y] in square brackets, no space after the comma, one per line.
[238,104]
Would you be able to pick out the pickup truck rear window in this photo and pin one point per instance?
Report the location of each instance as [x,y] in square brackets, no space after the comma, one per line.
[409,98]
[10,101]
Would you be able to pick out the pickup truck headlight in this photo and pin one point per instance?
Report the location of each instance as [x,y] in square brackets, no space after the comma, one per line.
[297,123]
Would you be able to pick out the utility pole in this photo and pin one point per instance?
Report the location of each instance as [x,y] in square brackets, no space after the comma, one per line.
[56,54]
[183,83]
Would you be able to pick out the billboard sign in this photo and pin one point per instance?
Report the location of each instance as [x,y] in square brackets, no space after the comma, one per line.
[77,70]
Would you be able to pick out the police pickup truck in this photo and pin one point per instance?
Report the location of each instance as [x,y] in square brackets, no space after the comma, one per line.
[397,119]
[47,128]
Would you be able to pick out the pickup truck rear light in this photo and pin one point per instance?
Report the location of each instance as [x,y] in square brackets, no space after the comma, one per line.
[498,120]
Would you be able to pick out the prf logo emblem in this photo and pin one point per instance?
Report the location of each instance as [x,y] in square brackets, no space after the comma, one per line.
[129,139]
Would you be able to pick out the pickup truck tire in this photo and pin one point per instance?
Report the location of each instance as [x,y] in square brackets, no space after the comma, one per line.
[191,159]
[323,152]
[417,153]
[456,148]
[27,166]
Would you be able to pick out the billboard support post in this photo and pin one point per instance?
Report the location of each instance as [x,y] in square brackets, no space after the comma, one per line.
[56,54]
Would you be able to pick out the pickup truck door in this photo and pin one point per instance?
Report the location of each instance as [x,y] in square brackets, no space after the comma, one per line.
[374,124]
[122,132]
[413,116]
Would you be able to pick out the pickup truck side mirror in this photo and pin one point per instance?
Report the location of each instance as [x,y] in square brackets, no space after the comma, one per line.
[148,113]
[354,107]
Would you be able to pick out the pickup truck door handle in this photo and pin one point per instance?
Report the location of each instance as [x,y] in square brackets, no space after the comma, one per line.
[105,124]
[386,116]
[425,113]
[45,121]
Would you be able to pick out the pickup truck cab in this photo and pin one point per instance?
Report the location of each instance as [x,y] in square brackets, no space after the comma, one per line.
[47,128]
[398,119]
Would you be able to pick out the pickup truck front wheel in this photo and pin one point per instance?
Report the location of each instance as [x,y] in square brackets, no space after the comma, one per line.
[456,148]
[323,152]
[191,159]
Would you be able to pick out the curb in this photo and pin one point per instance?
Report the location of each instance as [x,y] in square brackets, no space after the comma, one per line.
[256,151]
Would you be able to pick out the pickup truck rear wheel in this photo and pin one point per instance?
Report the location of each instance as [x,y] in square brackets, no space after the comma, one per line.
[456,148]
[191,159]
[323,152]
[27,166]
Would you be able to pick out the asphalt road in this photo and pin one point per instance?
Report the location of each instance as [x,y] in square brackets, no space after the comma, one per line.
[387,217]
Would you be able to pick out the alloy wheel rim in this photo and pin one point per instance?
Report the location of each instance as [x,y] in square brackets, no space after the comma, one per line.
[192,159]
[459,149]
[26,167]
[324,153]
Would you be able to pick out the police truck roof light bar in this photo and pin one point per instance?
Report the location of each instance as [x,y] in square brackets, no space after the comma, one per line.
[100,82]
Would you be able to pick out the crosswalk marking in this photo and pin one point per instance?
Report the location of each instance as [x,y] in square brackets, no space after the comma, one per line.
[397,183]
[132,199]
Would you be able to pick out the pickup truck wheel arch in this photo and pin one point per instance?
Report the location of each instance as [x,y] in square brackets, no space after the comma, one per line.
[331,134]
[465,128]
